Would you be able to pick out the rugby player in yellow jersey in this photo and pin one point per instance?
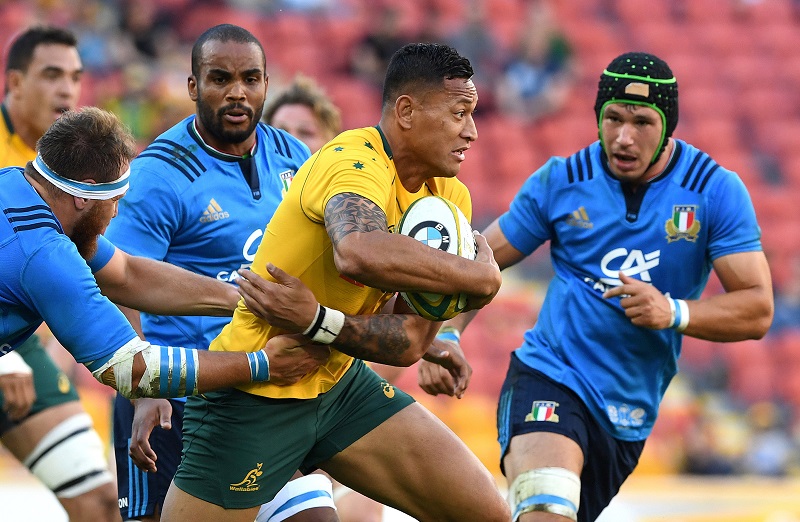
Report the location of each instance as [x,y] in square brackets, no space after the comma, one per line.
[333,232]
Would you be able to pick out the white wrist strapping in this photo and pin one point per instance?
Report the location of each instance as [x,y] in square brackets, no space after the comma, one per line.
[326,326]
[12,362]
[680,314]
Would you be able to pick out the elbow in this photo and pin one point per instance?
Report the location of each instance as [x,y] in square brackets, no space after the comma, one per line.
[761,321]
[354,266]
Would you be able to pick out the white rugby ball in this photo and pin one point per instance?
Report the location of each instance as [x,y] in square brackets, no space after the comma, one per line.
[440,224]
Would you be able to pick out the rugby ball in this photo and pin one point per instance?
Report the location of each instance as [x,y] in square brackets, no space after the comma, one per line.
[440,224]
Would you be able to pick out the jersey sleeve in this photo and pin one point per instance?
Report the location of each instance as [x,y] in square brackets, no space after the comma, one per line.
[733,226]
[356,173]
[105,251]
[63,291]
[525,224]
[149,215]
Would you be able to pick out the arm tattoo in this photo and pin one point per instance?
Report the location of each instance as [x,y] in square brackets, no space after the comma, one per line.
[378,338]
[347,212]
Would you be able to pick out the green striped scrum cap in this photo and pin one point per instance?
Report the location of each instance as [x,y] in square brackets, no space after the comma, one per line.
[640,79]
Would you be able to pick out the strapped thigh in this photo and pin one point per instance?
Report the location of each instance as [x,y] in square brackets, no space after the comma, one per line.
[70,459]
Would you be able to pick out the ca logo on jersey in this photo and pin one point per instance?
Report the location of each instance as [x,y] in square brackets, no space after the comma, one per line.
[631,263]
[683,224]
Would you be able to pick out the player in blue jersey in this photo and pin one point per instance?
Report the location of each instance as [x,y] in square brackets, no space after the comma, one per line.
[200,198]
[636,222]
[53,259]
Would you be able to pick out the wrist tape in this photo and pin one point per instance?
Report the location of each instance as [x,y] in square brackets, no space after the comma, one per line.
[449,333]
[326,326]
[680,314]
[259,366]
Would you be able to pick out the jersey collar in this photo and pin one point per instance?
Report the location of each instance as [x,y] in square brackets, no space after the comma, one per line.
[7,119]
[386,146]
[192,127]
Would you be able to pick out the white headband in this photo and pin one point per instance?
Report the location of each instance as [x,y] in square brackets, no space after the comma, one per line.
[80,189]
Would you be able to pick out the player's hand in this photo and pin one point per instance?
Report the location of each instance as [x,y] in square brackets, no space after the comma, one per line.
[485,255]
[148,414]
[287,303]
[292,356]
[16,383]
[644,305]
[444,369]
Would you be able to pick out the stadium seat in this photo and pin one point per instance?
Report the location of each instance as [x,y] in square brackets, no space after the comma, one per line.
[706,11]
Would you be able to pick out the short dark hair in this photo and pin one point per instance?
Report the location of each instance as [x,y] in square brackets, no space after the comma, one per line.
[87,142]
[422,65]
[223,33]
[305,91]
[20,52]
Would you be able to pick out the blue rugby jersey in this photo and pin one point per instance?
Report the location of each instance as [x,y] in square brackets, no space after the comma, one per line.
[668,233]
[44,278]
[194,207]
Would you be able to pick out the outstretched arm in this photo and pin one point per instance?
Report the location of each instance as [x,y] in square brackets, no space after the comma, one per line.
[163,289]
[139,369]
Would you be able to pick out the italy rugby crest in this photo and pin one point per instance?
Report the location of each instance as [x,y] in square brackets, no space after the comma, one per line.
[543,411]
[683,224]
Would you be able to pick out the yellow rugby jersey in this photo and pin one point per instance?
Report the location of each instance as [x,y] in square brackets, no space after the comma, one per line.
[13,151]
[357,161]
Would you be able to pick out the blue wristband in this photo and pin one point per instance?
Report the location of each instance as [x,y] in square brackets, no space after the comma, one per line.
[677,320]
[448,333]
[259,366]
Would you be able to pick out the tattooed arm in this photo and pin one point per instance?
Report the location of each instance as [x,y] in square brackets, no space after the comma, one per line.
[365,251]
[398,339]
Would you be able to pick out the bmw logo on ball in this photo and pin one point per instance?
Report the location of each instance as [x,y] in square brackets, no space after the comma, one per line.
[432,234]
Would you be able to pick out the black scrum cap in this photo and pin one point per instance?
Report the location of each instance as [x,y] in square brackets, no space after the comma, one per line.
[640,79]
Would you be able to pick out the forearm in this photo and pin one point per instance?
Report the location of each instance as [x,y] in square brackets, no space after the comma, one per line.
[461,321]
[393,339]
[140,369]
[730,317]
[404,264]
[164,289]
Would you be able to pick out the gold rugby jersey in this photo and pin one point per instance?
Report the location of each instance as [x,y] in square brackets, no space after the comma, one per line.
[13,151]
[357,161]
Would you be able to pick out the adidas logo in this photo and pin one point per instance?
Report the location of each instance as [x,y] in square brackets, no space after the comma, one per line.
[213,212]
[579,218]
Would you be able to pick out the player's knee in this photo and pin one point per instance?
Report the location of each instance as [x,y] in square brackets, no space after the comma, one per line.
[97,505]
[546,490]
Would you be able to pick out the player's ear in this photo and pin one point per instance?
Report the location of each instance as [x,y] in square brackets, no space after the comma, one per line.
[404,109]
[14,79]
[80,203]
[192,87]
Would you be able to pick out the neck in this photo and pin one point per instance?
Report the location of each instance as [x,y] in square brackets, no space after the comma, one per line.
[658,167]
[410,173]
[26,132]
